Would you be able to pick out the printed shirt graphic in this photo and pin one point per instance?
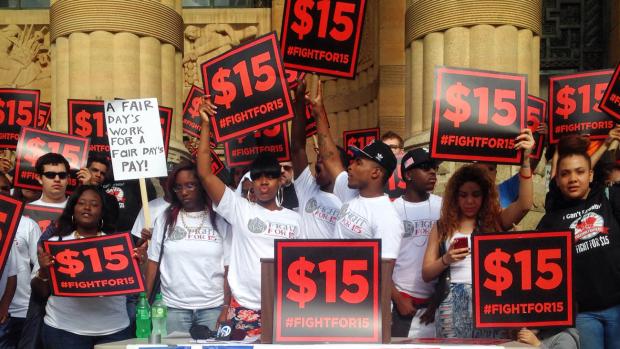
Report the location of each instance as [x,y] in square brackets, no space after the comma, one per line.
[589,229]
[192,268]
[254,229]
[319,210]
[418,219]
[371,218]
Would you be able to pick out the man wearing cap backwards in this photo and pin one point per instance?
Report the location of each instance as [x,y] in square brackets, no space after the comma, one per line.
[418,209]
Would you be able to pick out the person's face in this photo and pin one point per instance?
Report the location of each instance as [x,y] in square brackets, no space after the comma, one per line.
[423,177]
[469,198]
[395,146]
[265,188]
[54,187]
[491,169]
[5,185]
[30,195]
[186,188]
[286,174]
[322,177]
[88,210]
[574,177]
[362,171]
[98,171]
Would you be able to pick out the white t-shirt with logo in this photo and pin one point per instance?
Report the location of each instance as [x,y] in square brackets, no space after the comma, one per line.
[85,316]
[254,230]
[156,208]
[192,267]
[341,188]
[418,219]
[25,250]
[371,218]
[318,209]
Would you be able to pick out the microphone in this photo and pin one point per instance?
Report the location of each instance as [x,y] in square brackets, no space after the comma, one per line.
[224,331]
[201,332]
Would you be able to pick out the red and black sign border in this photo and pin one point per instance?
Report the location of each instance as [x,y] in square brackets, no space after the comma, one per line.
[347,134]
[187,104]
[134,263]
[607,95]
[49,113]
[18,157]
[476,265]
[35,114]
[287,148]
[10,234]
[279,274]
[545,117]
[439,72]
[167,127]
[337,73]
[552,80]
[71,103]
[280,72]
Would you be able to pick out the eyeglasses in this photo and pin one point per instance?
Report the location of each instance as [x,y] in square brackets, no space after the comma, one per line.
[189,186]
[52,175]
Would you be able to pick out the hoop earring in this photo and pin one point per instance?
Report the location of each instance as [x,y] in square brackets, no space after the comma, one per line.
[280,196]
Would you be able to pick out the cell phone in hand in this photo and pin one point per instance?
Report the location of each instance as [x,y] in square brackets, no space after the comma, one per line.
[461,243]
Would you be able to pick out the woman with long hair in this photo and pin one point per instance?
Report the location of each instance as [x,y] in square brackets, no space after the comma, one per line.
[592,211]
[470,203]
[255,225]
[79,322]
[188,246]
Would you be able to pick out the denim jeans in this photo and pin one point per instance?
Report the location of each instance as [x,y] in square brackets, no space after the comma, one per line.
[410,326]
[10,332]
[181,320]
[599,329]
[54,338]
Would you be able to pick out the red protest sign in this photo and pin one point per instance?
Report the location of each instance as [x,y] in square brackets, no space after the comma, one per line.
[247,85]
[324,38]
[292,76]
[87,119]
[45,114]
[610,103]
[359,138]
[10,215]
[327,291]
[536,114]
[191,117]
[395,186]
[522,279]
[216,163]
[574,108]
[34,142]
[43,215]
[477,115]
[243,150]
[91,267]
[18,108]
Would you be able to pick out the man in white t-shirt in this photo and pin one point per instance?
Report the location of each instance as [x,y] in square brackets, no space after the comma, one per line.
[53,171]
[418,210]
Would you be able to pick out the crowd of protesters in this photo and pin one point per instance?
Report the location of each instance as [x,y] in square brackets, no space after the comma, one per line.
[209,234]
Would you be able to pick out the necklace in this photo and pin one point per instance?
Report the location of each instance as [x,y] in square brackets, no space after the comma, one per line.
[80,236]
[202,215]
[421,239]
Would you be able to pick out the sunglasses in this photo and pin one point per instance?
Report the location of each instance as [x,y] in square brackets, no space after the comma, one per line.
[52,175]
[189,186]
[286,167]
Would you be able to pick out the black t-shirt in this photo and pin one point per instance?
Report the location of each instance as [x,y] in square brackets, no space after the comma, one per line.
[594,222]
[127,194]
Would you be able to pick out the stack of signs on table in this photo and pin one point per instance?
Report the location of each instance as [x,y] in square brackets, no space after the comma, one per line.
[34,142]
[248,86]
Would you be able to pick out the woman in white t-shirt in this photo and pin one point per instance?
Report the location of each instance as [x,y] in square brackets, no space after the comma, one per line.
[470,202]
[191,258]
[255,226]
[79,322]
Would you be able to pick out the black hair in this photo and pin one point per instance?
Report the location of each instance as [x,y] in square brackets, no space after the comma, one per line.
[265,164]
[51,159]
[100,158]
[65,225]
[573,145]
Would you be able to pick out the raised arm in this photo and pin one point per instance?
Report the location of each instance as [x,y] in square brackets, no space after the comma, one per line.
[213,185]
[610,143]
[518,209]
[327,147]
[298,133]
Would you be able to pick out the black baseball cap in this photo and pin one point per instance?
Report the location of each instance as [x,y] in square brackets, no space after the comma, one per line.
[379,152]
[416,157]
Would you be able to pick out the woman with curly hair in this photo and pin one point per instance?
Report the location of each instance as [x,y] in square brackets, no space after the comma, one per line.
[470,203]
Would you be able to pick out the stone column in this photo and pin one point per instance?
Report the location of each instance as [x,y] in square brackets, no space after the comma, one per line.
[499,35]
[104,49]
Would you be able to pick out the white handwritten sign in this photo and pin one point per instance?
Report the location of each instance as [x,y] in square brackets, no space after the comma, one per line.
[136,142]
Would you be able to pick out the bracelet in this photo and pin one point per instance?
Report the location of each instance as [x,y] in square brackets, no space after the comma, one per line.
[444,263]
[525,177]
[38,276]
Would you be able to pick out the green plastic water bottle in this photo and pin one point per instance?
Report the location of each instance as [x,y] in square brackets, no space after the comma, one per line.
[159,316]
[143,317]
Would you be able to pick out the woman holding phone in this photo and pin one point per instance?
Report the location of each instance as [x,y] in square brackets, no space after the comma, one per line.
[470,203]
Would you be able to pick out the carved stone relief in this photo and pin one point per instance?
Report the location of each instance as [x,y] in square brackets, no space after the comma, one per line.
[25,57]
